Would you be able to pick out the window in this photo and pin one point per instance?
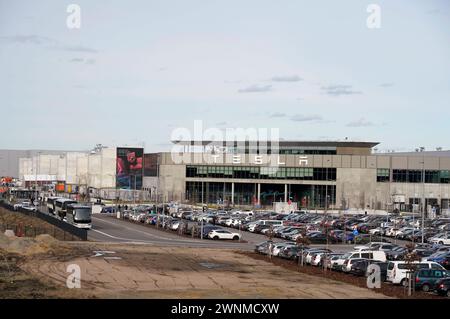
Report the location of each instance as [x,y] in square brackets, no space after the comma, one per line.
[436,266]
[255,172]
[432,176]
[367,255]
[383,175]
[406,176]
[444,177]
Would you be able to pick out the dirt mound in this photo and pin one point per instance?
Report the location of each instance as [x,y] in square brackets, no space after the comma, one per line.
[42,244]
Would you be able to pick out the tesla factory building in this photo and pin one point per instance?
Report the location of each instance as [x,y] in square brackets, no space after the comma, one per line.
[335,175]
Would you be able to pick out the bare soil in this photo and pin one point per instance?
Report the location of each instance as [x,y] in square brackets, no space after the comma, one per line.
[386,289]
[144,271]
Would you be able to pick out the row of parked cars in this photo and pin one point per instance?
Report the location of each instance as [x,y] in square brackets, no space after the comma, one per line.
[182,225]
[320,228]
[431,273]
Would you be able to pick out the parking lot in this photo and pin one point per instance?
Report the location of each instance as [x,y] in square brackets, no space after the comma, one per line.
[317,244]
[344,244]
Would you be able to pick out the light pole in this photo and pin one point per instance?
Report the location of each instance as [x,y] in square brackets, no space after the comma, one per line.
[423,198]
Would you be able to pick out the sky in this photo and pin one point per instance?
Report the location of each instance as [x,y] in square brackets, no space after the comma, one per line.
[136,71]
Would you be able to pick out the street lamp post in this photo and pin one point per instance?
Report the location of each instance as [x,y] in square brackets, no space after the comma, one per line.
[423,198]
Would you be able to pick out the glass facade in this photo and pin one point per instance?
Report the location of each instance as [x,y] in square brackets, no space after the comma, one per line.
[254,172]
[307,196]
[413,176]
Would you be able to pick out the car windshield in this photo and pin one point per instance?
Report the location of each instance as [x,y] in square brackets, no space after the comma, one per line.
[82,214]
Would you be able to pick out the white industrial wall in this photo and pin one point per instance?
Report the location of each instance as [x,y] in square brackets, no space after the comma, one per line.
[102,169]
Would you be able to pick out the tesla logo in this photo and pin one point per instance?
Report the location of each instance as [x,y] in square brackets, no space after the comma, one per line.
[303,161]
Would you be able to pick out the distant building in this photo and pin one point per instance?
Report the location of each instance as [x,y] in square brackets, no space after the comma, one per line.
[336,175]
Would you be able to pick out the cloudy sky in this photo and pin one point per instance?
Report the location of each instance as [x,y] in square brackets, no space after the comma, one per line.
[137,70]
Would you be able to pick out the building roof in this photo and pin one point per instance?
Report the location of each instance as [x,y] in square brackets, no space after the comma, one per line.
[286,143]
[419,154]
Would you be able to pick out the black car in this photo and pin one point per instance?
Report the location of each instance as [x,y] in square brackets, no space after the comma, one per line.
[259,228]
[321,238]
[383,270]
[289,252]
[443,287]
[359,267]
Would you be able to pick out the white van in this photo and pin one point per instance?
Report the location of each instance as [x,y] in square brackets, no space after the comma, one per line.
[344,261]
[397,270]
[366,254]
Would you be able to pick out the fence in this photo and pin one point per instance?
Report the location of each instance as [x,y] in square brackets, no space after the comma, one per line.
[61,229]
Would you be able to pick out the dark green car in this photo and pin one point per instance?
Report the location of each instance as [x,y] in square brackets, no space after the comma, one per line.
[426,279]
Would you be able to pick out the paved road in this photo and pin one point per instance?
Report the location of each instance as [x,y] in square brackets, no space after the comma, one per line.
[107,228]
[110,229]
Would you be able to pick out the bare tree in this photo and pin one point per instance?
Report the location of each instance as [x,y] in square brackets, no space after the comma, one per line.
[302,243]
[270,233]
[410,258]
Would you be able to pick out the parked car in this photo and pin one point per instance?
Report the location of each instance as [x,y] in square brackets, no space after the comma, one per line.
[206,229]
[277,247]
[442,239]
[289,252]
[223,234]
[397,253]
[348,263]
[383,270]
[426,279]
[359,267]
[262,248]
[443,287]
[397,270]
[108,210]
[333,260]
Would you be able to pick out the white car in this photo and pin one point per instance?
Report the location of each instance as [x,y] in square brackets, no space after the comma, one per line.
[223,234]
[315,261]
[25,205]
[277,247]
[175,225]
[376,231]
[397,270]
[308,257]
[229,222]
[332,259]
[441,239]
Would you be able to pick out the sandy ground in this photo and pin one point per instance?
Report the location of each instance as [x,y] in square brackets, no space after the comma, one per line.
[138,271]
